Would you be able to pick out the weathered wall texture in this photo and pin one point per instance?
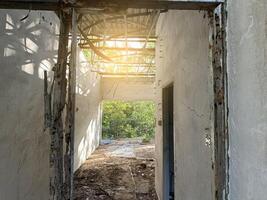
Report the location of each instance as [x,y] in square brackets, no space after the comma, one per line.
[27,48]
[247,71]
[128,89]
[88,112]
[182,58]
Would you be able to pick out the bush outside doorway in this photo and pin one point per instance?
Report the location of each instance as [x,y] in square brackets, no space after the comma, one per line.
[128,120]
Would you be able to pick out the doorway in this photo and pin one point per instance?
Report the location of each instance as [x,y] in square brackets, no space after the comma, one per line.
[168,144]
[217,59]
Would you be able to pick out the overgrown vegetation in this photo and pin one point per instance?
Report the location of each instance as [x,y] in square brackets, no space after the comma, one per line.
[128,120]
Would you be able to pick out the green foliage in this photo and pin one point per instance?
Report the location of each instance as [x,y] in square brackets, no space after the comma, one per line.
[128,119]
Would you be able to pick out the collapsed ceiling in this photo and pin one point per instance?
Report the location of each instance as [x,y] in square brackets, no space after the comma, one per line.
[119,41]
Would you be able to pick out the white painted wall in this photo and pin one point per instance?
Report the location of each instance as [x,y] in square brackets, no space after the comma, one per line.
[128,89]
[182,58]
[247,72]
[27,48]
[88,123]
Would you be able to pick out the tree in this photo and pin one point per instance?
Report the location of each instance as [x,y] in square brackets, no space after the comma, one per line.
[128,119]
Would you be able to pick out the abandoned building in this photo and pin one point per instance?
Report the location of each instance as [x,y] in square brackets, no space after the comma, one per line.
[203,63]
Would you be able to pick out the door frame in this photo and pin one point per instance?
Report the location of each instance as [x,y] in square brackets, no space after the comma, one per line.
[217,60]
[219,135]
[166,140]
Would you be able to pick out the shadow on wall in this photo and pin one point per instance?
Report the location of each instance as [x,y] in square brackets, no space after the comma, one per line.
[88,112]
[87,81]
[88,137]
[27,47]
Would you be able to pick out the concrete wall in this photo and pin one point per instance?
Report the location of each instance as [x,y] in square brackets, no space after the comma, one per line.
[182,58]
[88,124]
[247,71]
[128,89]
[27,47]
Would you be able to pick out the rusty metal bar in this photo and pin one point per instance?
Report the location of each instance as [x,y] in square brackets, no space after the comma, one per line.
[93,47]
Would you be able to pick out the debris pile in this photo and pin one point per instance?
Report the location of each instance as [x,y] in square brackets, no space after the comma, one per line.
[105,177]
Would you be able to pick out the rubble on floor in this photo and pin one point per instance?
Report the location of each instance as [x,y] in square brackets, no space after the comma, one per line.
[120,170]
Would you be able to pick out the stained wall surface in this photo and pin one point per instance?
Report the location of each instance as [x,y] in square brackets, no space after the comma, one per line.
[29,46]
[247,73]
[182,58]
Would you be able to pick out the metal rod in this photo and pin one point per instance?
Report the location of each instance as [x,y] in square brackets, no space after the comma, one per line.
[92,46]
[126,74]
[122,63]
[118,48]
[153,24]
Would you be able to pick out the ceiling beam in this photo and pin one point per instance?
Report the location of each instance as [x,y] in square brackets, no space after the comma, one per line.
[29,5]
[151,4]
[116,4]
[126,63]
[135,40]
[143,54]
[118,48]
[124,74]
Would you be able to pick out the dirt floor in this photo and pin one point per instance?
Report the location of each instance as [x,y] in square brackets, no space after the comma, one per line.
[118,170]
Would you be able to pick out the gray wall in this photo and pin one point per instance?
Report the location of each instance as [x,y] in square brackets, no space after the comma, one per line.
[27,47]
[183,58]
[128,89]
[247,70]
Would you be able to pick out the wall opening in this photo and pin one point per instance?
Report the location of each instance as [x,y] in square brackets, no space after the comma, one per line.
[122,119]
[168,143]
[123,166]
[206,150]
